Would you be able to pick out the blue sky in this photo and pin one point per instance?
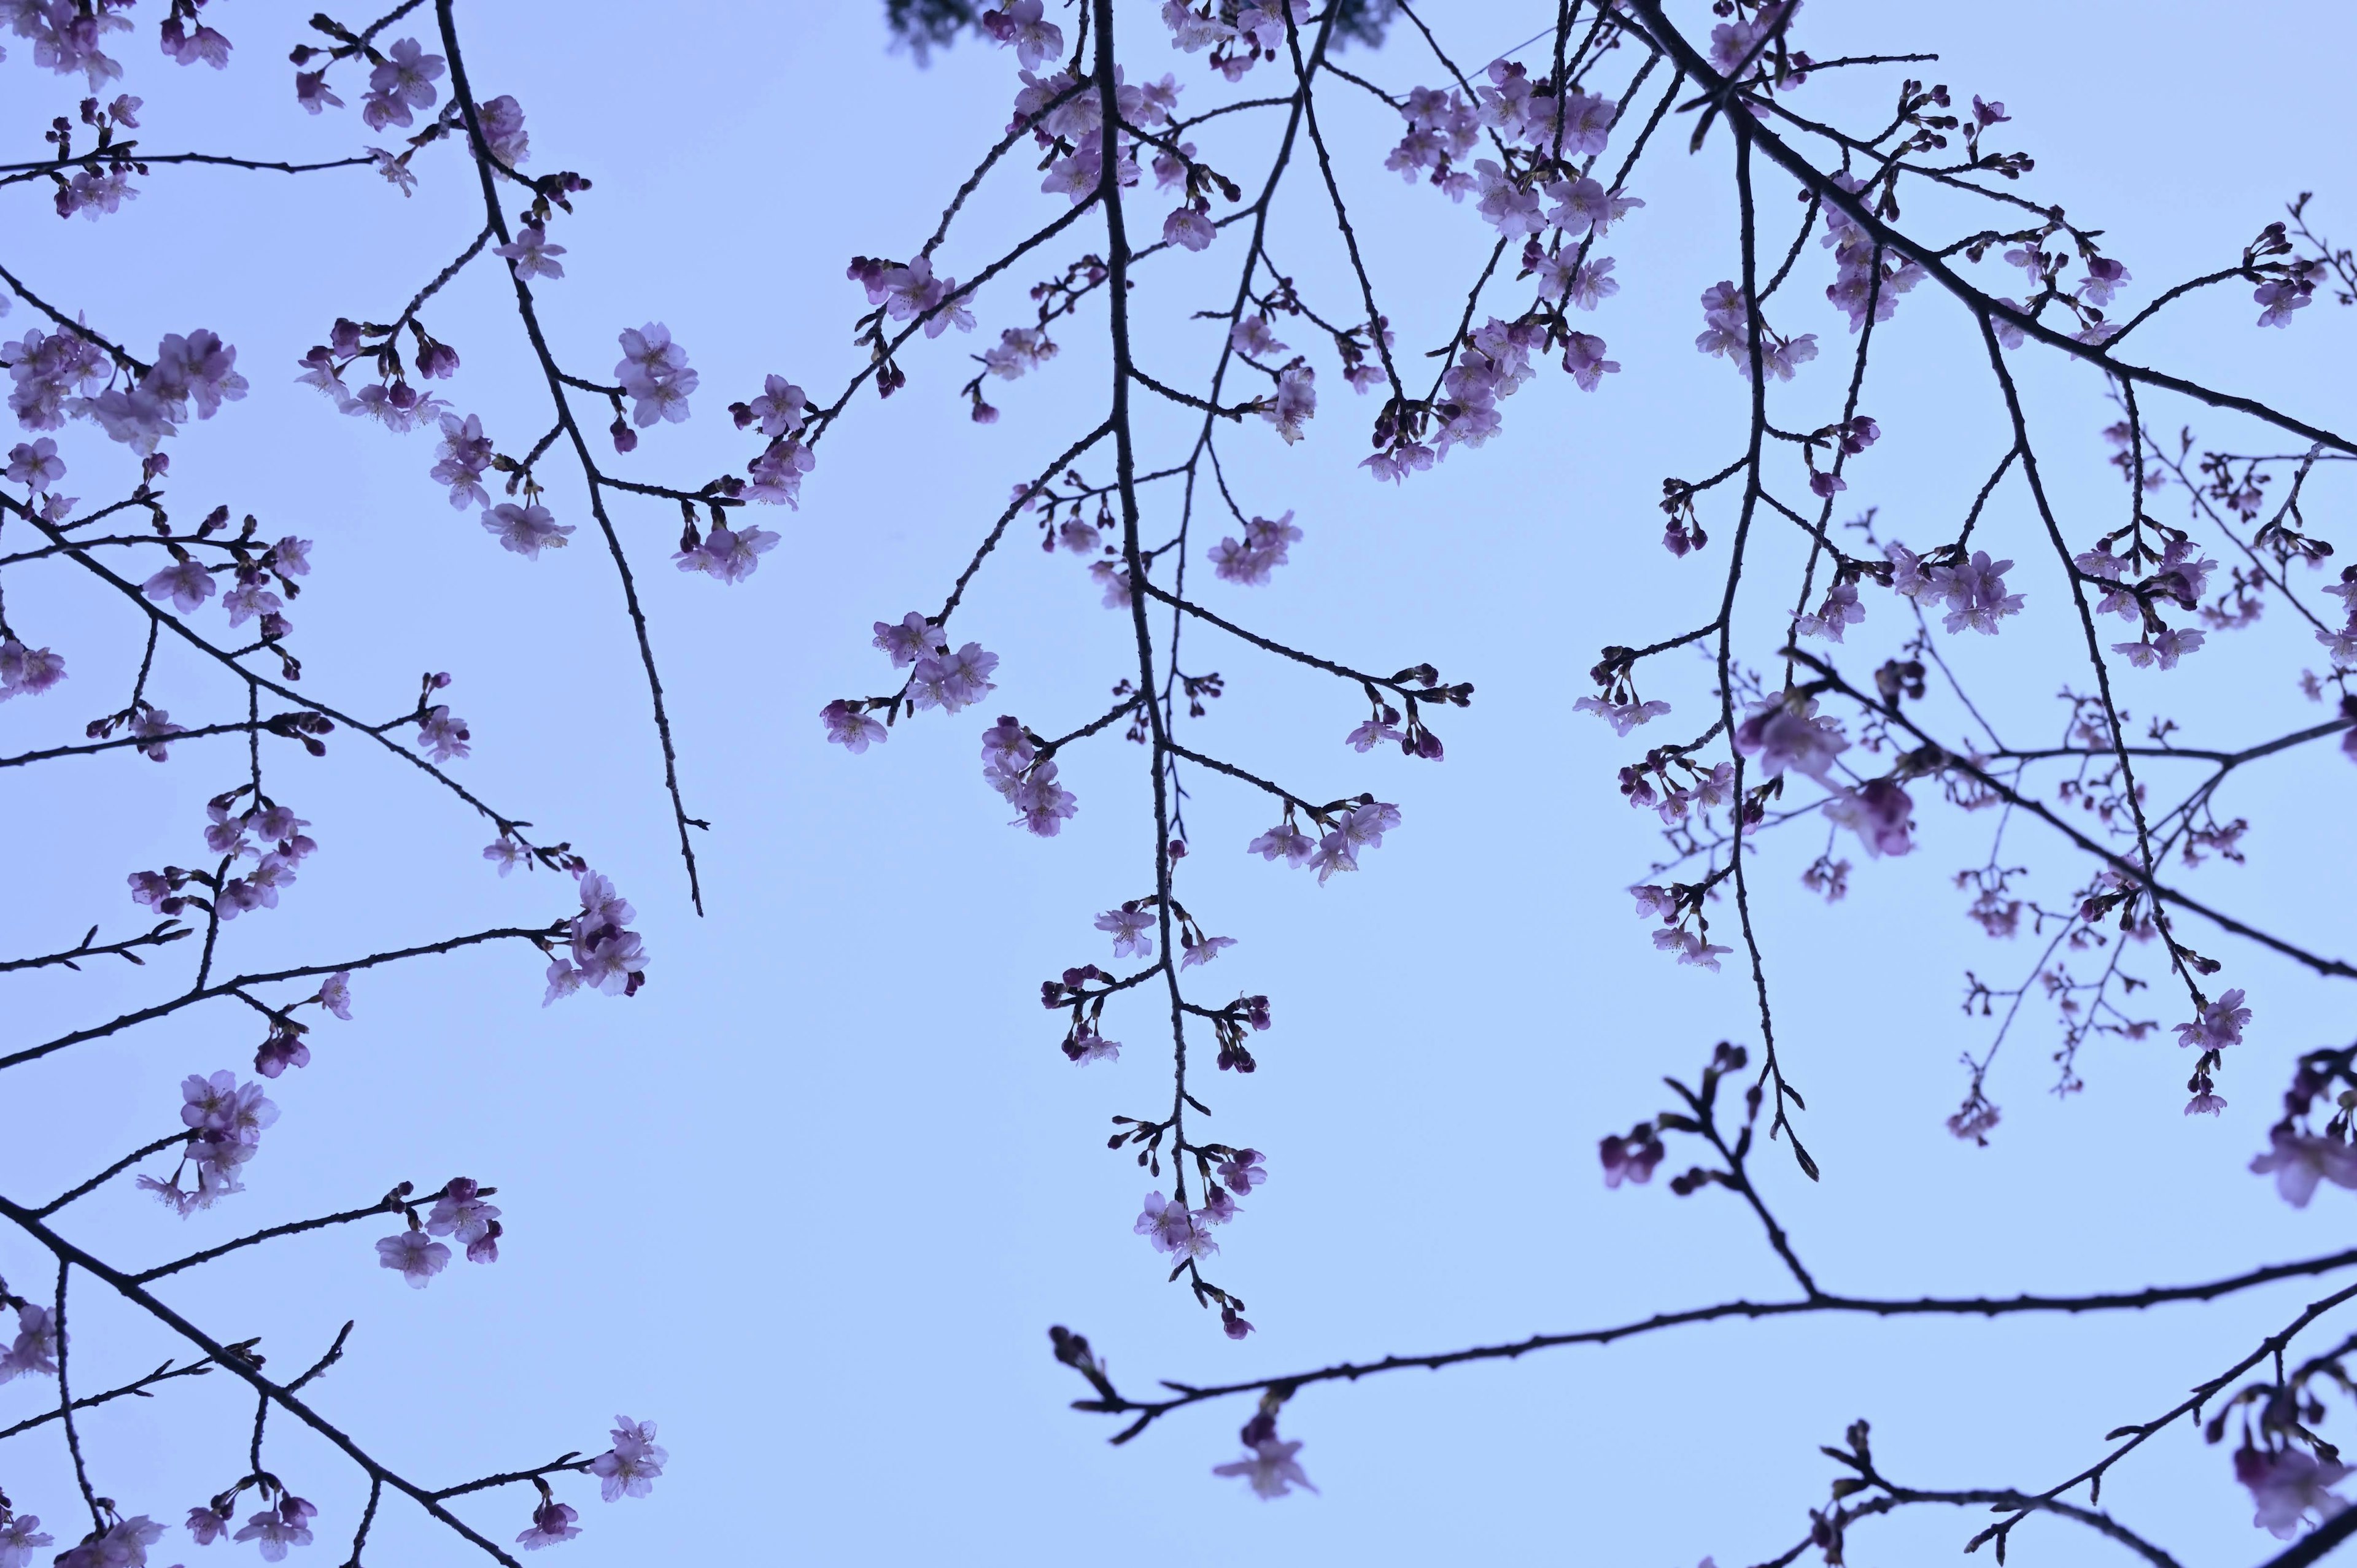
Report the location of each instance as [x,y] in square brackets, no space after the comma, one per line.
[813,1198]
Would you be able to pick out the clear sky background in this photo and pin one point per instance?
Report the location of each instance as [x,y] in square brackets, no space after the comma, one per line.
[813,1198]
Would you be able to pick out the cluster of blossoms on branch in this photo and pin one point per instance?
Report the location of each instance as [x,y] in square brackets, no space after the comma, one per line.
[69,380]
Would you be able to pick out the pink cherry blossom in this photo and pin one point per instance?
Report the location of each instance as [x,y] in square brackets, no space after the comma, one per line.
[416,1255]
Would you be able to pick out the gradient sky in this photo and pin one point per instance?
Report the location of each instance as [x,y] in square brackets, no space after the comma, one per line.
[811,1200]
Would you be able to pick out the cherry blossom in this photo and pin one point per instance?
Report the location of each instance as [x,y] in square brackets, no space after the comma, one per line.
[655,371]
[1284,842]
[153,727]
[464,457]
[1167,1225]
[121,1545]
[1975,593]
[462,1215]
[631,1466]
[1115,581]
[552,1525]
[2300,1160]
[1021,25]
[416,1255]
[404,82]
[1879,813]
[1653,902]
[1623,716]
[604,953]
[910,638]
[1087,1046]
[1270,1467]
[1783,736]
[35,1350]
[1189,227]
[1128,926]
[730,554]
[1296,402]
[36,464]
[2278,298]
[443,734]
[952,681]
[847,726]
[1264,549]
[187,584]
[211,1524]
[530,254]
[2162,650]
[1242,1170]
[27,672]
[1202,952]
[501,119]
[220,1104]
[780,409]
[1691,948]
[1839,612]
[51,371]
[19,1539]
[2289,1485]
[286,1525]
[777,473]
[2220,1025]
[2104,278]
[525,529]
[1583,359]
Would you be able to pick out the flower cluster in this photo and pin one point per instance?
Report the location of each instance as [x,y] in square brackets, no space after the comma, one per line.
[910,292]
[122,1544]
[34,1352]
[389,399]
[459,1213]
[271,825]
[1973,588]
[225,1121]
[1785,732]
[1727,331]
[1863,271]
[1183,1232]
[1674,905]
[27,672]
[64,374]
[782,412]
[1622,715]
[1348,828]
[403,82]
[1263,550]
[1013,765]
[1238,35]
[1442,127]
[631,1466]
[654,373]
[1671,782]
[605,954]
